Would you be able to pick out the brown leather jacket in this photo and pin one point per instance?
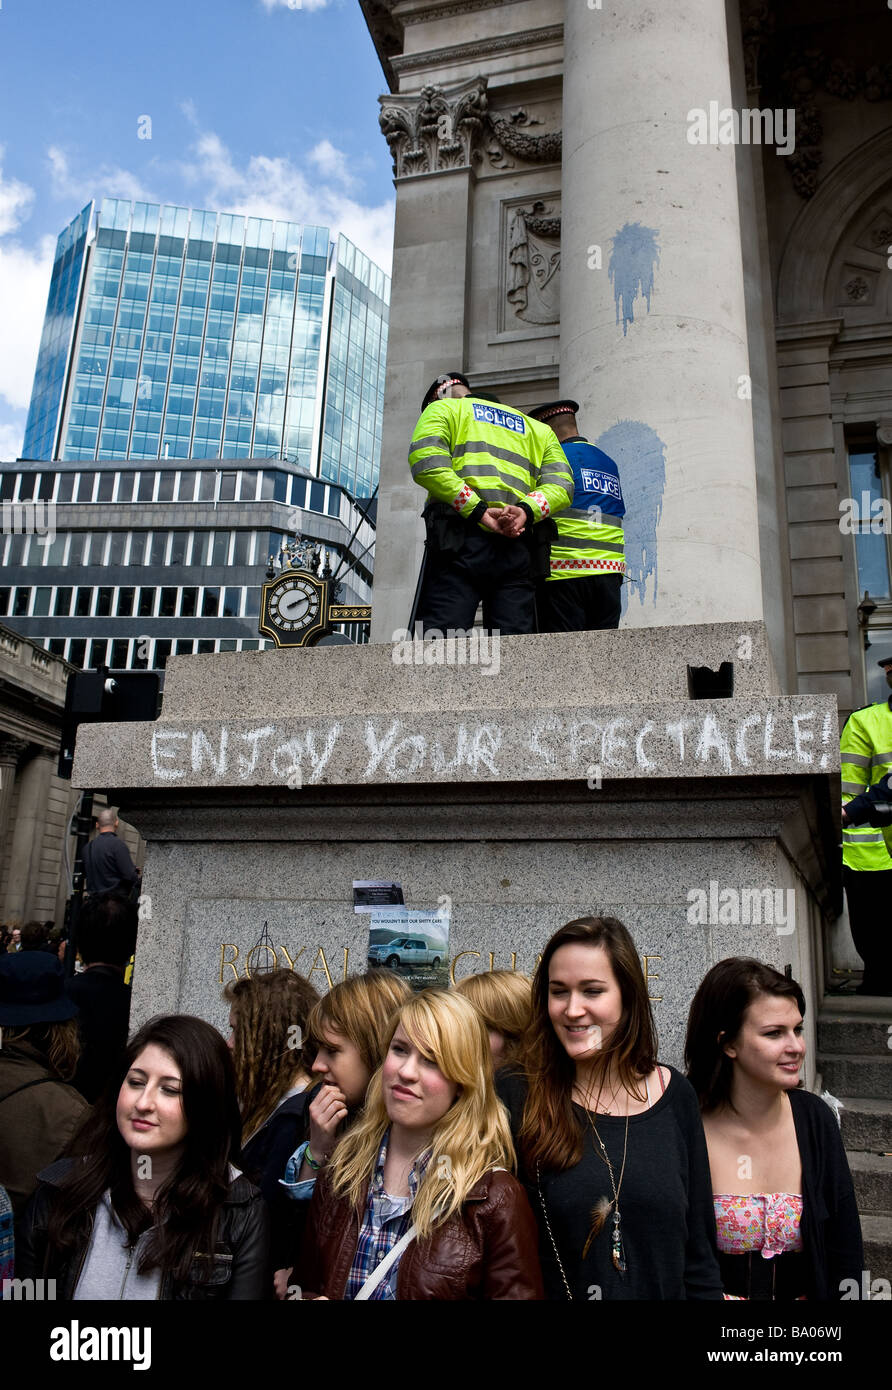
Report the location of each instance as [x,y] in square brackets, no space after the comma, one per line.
[489,1251]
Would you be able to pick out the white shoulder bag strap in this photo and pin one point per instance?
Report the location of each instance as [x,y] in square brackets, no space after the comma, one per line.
[389,1260]
[386,1264]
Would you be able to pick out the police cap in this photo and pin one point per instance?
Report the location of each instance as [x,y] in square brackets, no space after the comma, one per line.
[885,660]
[551,409]
[450,378]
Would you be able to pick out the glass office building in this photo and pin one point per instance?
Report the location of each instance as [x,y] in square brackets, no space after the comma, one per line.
[176,334]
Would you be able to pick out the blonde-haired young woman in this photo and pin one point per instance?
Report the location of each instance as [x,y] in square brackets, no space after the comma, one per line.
[417,1202]
[503,998]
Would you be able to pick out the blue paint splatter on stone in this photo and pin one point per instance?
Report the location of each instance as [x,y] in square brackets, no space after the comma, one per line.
[640,456]
[634,258]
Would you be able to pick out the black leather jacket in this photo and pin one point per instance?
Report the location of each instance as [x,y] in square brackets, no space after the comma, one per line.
[240,1264]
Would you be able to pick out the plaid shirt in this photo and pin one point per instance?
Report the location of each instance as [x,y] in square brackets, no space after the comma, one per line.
[387,1219]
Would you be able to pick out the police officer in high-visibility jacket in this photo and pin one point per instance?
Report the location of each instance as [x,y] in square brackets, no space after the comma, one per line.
[866,758]
[582,590]
[494,479]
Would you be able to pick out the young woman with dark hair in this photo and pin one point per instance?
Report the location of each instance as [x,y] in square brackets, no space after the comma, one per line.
[610,1143]
[785,1208]
[151,1206]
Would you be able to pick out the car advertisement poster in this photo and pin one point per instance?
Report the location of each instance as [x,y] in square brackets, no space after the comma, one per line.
[412,941]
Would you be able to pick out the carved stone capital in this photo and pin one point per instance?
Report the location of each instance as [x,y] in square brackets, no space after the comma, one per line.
[884,430]
[11,748]
[434,129]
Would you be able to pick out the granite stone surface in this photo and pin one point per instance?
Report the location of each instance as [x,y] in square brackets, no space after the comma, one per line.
[707,738]
[511,880]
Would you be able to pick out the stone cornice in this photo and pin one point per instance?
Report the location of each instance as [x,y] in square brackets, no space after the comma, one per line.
[480,48]
[449,9]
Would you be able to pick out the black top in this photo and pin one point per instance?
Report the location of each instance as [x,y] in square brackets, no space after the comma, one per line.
[104,1003]
[107,863]
[264,1159]
[831,1231]
[665,1202]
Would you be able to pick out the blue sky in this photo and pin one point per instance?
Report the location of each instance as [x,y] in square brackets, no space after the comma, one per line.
[256,106]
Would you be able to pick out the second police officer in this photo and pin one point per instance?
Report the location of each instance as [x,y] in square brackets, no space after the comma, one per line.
[582,590]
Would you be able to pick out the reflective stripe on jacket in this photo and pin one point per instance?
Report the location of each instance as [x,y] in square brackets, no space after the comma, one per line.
[465,452]
[865,758]
[590,531]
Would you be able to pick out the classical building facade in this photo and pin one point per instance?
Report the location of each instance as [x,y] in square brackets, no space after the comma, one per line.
[682,217]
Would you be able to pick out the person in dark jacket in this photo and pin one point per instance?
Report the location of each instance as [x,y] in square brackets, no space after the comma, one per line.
[418,1202]
[784,1201]
[107,861]
[149,1205]
[268,1021]
[106,939]
[39,1109]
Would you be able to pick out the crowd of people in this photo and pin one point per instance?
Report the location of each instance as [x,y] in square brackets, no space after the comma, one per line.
[508,1139]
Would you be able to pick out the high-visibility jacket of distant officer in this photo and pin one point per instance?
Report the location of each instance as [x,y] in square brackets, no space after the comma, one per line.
[493,478]
[865,758]
[582,590]
[874,808]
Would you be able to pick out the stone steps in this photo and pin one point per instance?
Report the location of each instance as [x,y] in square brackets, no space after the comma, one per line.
[855,1074]
[855,1063]
[877,1233]
[872,1176]
[867,1124]
[854,1034]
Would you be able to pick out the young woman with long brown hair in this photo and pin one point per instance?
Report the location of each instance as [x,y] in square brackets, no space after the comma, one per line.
[786,1216]
[609,1142]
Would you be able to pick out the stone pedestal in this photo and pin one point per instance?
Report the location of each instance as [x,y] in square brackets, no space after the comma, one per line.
[561,776]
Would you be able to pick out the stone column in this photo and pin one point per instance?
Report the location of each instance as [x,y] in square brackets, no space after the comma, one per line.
[653,343]
[11,749]
[28,832]
[430,135]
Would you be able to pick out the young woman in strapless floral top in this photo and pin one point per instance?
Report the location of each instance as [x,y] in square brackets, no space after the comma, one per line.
[786,1219]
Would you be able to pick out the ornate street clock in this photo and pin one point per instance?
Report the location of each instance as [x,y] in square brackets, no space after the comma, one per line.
[294,608]
[297,605]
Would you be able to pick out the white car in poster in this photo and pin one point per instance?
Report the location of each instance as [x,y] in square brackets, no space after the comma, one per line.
[404,950]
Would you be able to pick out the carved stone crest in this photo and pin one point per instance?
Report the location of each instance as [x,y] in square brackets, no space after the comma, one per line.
[534,262]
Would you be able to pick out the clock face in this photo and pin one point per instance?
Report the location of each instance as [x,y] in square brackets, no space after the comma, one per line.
[292,604]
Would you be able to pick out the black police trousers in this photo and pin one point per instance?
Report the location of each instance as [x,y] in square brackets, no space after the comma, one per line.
[489,569]
[868,892]
[584,603]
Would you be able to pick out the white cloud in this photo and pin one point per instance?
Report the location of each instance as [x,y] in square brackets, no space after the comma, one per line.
[15,201]
[266,186]
[11,436]
[24,284]
[106,180]
[331,162]
[271,5]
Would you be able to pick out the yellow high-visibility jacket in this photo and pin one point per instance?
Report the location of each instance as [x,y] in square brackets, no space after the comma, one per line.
[866,757]
[471,454]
